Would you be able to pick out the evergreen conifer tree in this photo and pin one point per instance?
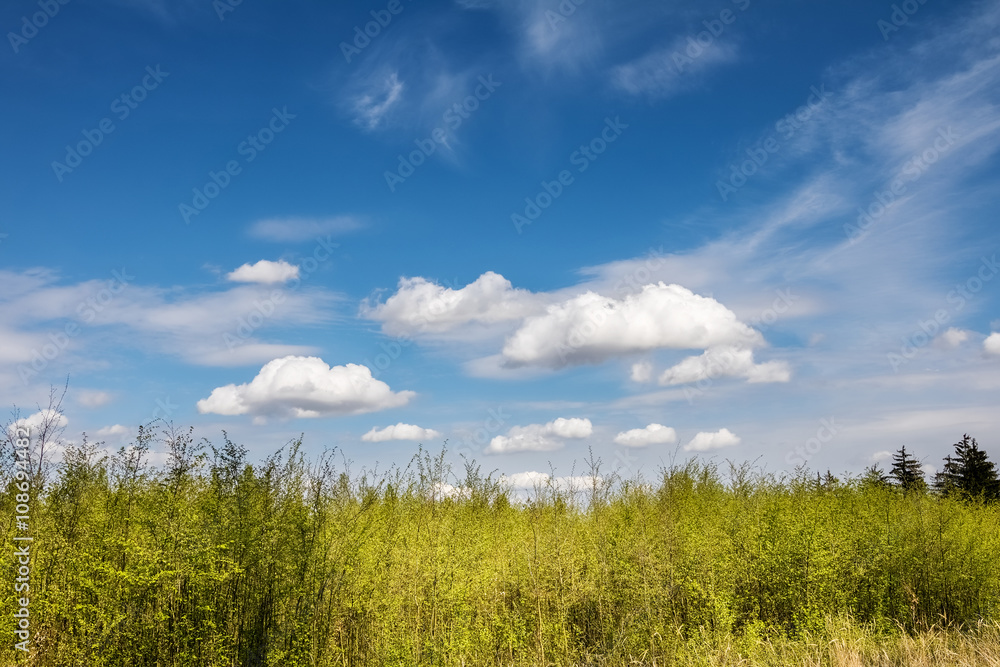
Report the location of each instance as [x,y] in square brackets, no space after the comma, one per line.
[969,473]
[907,472]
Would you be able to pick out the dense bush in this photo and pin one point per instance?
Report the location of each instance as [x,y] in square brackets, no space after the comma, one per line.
[210,560]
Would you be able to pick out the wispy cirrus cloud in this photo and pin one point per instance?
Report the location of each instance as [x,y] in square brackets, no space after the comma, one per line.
[93,398]
[188,323]
[376,100]
[786,264]
[548,35]
[892,114]
[667,71]
[296,228]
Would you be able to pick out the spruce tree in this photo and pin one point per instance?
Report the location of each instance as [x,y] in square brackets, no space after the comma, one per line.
[969,473]
[907,472]
[946,481]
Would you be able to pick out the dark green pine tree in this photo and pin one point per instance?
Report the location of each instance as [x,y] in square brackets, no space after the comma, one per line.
[946,481]
[907,472]
[969,473]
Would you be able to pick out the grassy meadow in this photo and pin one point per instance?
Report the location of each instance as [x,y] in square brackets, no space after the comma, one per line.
[211,560]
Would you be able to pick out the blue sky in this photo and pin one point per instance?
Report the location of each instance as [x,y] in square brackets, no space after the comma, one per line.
[531,228]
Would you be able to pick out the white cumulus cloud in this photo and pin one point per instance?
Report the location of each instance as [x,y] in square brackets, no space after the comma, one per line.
[527,479]
[534,479]
[421,306]
[570,428]
[952,338]
[296,386]
[446,490]
[540,437]
[591,328]
[654,434]
[992,344]
[34,422]
[706,441]
[725,361]
[115,430]
[264,272]
[400,432]
[641,372]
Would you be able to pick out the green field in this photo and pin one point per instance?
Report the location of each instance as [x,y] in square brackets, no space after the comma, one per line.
[210,560]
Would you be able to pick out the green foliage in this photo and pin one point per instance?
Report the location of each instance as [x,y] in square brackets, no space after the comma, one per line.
[874,476]
[214,561]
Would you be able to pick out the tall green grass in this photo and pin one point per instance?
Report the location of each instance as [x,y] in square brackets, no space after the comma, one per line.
[210,560]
